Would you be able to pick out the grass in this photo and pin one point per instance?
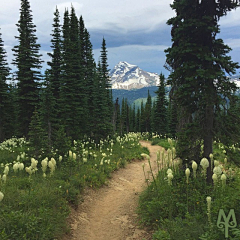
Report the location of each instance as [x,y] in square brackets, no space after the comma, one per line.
[36,207]
[177,210]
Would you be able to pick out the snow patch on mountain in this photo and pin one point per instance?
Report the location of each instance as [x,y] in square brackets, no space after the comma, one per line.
[128,76]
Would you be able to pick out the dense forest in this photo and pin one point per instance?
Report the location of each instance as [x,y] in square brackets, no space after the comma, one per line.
[73,98]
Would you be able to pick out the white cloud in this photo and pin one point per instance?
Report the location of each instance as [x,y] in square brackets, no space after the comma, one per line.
[124,17]
[233,43]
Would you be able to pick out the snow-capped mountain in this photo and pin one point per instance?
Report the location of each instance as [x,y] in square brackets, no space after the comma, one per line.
[128,76]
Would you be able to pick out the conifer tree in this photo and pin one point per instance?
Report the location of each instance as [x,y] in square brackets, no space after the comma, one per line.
[199,61]
[160,110]
[148,114]
[107,97]
[51,92]
[56,61]
[72,97]
[4,93]
[28,63]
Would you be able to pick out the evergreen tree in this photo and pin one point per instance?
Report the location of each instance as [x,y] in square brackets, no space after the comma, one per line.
[160,111]
[56,57]
[138,120]
[37,135]
[4,91]
[148,114]
[199,61]
[107,97]
[172,118]
[72,95]
[142,118]
[51,92]
[27,60]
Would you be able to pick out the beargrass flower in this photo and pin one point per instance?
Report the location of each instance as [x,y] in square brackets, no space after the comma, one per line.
[84,160]
[194,167]
[223,179]
[217,170]
[4,178]
[187,172]
[21,166]
[216,163]
[1,196]
[29,170]
[144,155]
[34,163]
[74,156]
[225,160]
[205,164]
[169,171]
[209,200]
[215,178]
[44,164]
[170,177]
[15,167]
[70,154]
[60,158]
[6,170]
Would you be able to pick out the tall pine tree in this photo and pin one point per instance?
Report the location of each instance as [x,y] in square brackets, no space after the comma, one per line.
[4,93]
[160,111]
[28,63]
[199,61]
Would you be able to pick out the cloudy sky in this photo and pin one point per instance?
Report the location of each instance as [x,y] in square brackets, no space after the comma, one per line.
[135,30]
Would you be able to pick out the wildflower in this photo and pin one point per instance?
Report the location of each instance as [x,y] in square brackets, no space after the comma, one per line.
[104,154]
[44,164]
[6,170]
[187,172]
[60,158]
[215,178]
[74,156]
[169,171]
[217,170]
[209,199]
[225,160]
[223,179]
[21,166]
[84,160]
[4,178]
[34,163]
[70,154]
[15,167]
[205,164]
[170,141]
[1,196]
[173,152]
[194,167]
[170,177]
[144,155]
[216,163]
[29,170]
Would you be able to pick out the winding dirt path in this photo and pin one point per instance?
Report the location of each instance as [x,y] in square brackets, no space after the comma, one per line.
[109,213]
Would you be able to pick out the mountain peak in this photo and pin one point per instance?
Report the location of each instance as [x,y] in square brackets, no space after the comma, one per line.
[128,76]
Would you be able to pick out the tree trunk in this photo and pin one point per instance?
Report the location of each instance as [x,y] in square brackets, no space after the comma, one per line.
[208,138]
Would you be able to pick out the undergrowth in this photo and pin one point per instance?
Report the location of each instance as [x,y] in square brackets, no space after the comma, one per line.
[175,203]
[35,200]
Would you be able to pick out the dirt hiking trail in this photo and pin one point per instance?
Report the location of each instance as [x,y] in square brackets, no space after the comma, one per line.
[109,213]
